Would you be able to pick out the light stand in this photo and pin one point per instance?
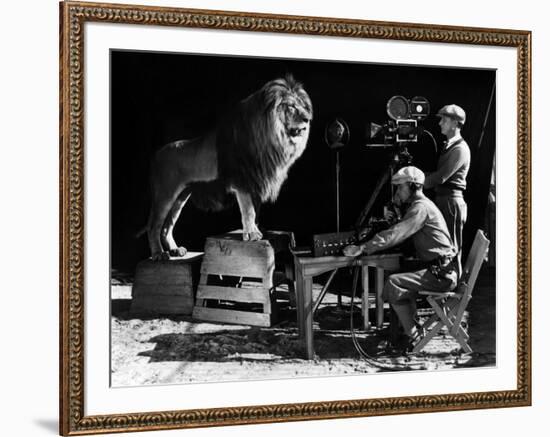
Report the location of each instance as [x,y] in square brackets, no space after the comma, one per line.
[337,137]
[337,191]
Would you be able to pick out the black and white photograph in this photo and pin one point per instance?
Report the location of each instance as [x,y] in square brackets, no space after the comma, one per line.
[275,214]
[280,218]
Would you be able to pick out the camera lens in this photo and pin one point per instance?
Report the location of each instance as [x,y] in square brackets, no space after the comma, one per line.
[398,107]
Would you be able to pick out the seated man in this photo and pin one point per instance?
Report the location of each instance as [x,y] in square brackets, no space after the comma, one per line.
[424,223]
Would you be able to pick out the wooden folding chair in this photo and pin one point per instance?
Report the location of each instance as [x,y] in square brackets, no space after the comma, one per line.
[449,306]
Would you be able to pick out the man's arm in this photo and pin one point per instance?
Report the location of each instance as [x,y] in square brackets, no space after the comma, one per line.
[412,222]
[450,163]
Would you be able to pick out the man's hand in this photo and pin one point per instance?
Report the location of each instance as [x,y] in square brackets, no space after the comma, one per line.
[363,232]
[391,214]
[353,250]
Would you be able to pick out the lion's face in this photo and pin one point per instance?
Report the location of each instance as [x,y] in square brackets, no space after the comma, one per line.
[296,119]
[295,115]
[264,136]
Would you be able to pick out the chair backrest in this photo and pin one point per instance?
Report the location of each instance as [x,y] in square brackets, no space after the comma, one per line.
[469,275]
[472,266]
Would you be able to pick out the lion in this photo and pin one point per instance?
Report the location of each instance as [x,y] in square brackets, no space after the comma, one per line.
[246,155]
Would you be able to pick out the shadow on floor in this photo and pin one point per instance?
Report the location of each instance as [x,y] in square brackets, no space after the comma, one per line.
[333,340]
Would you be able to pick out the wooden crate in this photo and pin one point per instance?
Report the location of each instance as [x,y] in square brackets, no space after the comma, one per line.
[166,287]
[236,274]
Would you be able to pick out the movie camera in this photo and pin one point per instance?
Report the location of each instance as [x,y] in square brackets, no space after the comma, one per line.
[403,124]
[401,129]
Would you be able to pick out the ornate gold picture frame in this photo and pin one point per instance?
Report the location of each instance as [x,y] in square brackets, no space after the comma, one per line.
[74,416]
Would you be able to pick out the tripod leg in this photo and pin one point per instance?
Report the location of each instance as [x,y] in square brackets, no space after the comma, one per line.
[383,179]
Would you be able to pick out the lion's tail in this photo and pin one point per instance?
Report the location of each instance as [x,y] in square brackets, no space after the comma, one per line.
[211,196]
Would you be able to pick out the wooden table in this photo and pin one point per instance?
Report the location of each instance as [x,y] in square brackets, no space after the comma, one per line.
[307,267]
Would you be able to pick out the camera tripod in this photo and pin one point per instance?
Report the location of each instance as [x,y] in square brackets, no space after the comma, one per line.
[400,159]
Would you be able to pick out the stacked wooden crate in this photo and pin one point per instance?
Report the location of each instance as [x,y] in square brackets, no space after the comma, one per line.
[236,281]
[166,287]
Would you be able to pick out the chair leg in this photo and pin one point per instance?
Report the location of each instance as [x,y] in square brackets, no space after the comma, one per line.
[450,319]
[457,324]
[459,330]
[462,341]
[426,339]
[426,325]
[444,313]
[439,311]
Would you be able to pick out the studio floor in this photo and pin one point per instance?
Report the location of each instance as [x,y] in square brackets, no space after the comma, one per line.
[148,350]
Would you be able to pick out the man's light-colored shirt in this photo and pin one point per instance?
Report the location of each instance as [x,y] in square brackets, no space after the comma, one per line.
[452,167]
[424,223]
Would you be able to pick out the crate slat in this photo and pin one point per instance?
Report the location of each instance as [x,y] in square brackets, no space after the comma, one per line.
[252,267]
[252,295]
[229,245]
[232,316]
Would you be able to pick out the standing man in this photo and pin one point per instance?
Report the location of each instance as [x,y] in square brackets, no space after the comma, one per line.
[424,223]
[449,180]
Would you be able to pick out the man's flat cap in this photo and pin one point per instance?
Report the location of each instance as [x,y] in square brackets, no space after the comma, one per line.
[408,174]
[453,111]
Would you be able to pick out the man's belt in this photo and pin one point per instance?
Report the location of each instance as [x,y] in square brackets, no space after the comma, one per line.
[449,190]
[452,186]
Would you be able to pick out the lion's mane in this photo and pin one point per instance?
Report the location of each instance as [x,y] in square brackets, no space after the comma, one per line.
[256,144]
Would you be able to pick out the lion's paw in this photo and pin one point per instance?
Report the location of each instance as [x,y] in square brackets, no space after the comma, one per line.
[252,236]
[160,256]
[178,251]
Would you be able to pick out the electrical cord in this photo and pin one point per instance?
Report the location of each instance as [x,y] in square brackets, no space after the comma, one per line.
[369,359]
[426,131]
